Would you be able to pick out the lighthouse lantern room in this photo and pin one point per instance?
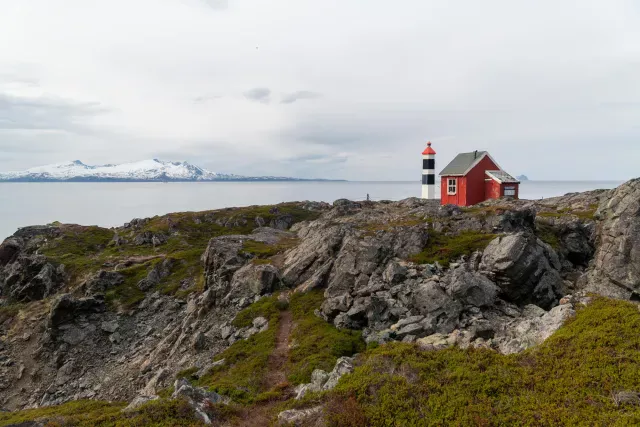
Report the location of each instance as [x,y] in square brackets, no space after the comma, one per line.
[429,173]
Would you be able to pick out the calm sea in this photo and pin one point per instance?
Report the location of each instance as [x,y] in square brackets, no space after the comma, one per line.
[112,204]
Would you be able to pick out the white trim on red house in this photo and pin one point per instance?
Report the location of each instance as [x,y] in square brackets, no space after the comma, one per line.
[450,186]
[498,180]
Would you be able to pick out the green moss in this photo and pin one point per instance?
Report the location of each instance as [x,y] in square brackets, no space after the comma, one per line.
[547,234]
[267,307]
[82,412]
[587,214]
[242,376]
[76,248]
[316,343]
[197,228]
[88,413]
[166,392]
[85,250]
[128,294]
[188,373]
[445,248]
[263,251]
[568,380]
[10,311]
[485,211]
[371,228]
[78,241]
[187,265]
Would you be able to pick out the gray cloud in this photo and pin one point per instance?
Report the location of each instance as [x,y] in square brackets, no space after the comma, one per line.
[301,94]
[22,113]
[259,94]
[533,83]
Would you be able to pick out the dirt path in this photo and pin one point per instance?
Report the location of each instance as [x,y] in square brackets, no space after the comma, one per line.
[278,360]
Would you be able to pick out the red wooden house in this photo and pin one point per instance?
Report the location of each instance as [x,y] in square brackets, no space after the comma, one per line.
[473,178]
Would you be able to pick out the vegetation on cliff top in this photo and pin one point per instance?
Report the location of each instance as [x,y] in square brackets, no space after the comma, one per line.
[86,250]
[87,413]
[242,375]
[573,378]
[586,214]
[570,379]
[316,344]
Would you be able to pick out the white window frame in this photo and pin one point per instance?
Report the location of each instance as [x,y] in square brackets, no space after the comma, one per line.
[511,191]
[452,186]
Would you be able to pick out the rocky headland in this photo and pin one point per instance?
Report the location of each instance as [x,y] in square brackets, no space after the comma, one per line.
[305,313]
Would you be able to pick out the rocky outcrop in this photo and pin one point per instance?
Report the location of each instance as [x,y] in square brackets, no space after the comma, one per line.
[231,275]
[130,343]
[102,282]
[616,266]
[66,309]
[159,271]
[198,398]
[222,258]
[25,275]
[254,280]
[324,381]
[525,269]
[302,417]
[150,238]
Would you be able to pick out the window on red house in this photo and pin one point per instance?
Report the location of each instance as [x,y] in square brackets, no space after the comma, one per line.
[452,187]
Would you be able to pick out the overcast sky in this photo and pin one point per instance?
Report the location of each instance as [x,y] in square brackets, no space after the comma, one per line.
[347,89]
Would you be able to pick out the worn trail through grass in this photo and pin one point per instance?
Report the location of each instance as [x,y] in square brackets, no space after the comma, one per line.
[278,359]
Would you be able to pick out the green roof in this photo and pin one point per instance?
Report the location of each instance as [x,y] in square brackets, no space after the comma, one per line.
[462,162]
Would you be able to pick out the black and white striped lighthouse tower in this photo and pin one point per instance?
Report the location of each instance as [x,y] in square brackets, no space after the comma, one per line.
[429,173]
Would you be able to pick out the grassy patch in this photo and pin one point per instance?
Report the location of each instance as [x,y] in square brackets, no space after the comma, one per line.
[187,265]
[265,307]
[587,214]
[128,294]
[374,227]
[81,411]
[316,343]
[87,413]
[10,311]
[198,227]
[445,248]
[568,380]
[485,211]
[263,251]
[188,373]
[242,375]
[547,234]
[85,250]
[76,248]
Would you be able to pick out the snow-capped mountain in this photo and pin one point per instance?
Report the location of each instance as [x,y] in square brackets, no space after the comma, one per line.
[146,170]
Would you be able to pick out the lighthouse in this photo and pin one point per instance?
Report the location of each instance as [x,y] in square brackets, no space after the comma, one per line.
[429,173]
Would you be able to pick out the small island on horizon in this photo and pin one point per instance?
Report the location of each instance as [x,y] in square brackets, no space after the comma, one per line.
[143,171]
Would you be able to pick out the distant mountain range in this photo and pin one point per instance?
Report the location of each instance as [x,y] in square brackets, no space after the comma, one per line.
[146,170]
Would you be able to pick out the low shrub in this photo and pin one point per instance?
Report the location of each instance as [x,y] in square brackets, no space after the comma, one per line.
[316,343]
[571,379]
[242,376]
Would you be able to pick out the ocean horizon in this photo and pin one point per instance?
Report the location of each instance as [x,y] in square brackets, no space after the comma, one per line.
[110,204]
